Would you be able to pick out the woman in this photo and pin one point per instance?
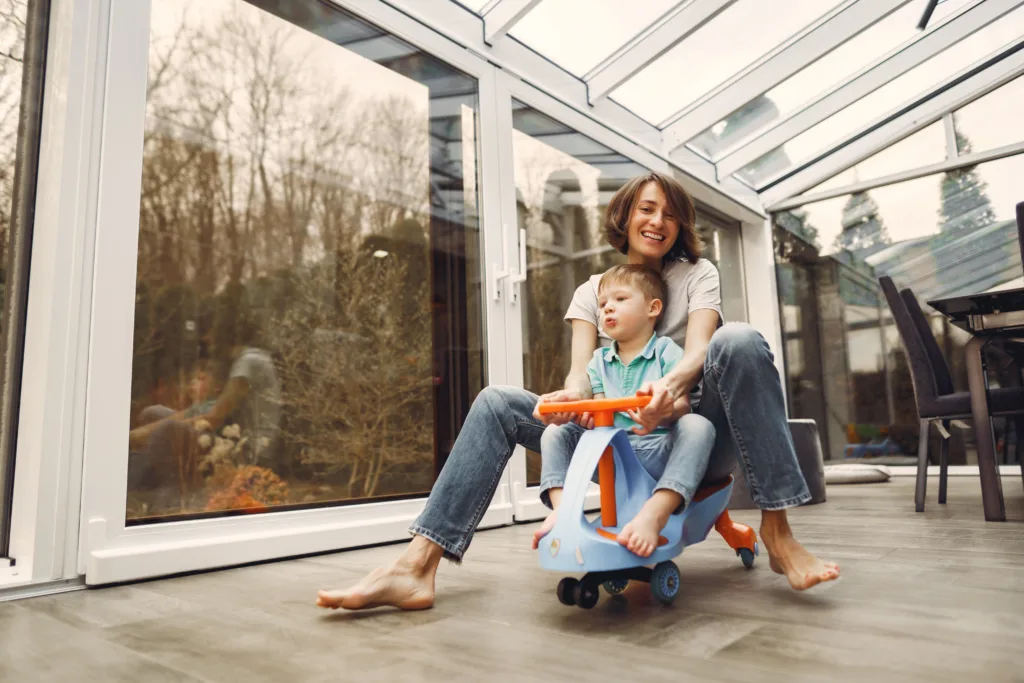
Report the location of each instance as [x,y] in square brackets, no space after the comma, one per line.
[730,370]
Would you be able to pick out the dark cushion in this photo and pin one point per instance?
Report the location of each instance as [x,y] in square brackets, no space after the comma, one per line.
[1003,400]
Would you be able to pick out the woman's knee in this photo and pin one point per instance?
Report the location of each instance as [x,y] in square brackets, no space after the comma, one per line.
[737,340]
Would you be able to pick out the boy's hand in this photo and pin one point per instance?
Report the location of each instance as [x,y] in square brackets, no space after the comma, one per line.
[586,420]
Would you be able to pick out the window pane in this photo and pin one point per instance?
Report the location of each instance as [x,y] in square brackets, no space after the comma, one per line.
[927,146]
[943,235]
[578,34]
[723,47]
[915,83]
[564,181]
[15,233]
[308,302]
[723,247]
[991,121]
[806,85]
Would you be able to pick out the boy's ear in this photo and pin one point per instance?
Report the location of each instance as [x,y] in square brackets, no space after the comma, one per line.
[656,306]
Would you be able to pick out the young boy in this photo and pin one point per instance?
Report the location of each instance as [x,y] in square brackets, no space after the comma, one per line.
[630,298]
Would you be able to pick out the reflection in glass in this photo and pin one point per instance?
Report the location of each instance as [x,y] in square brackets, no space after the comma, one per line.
[564,181]
[895,31]
[724,248]
[991,121]
[698,64]
[14,248]
[579,34]
[13,14]
[308,308]
[912,85]
[943,235]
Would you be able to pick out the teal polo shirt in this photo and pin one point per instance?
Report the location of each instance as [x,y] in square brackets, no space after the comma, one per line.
[610,376]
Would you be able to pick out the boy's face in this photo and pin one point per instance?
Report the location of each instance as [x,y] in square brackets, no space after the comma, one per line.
[626,313]
[199,385]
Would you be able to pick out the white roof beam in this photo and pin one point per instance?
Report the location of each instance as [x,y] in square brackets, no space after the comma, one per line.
[660,37]
[803,49]
[954,93]
[867,80]
[502,15]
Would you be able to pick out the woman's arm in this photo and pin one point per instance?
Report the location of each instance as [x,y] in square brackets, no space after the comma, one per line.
[584,343]
[670,395]
[577,382]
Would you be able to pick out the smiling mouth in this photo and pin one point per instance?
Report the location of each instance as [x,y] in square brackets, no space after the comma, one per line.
[652,236]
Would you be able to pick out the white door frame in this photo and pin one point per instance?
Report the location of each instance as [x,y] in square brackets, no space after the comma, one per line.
[112,552]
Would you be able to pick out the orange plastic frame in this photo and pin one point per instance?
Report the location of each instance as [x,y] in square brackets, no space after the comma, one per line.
[604,410]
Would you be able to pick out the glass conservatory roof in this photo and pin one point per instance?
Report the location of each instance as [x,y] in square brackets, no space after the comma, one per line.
[762,88]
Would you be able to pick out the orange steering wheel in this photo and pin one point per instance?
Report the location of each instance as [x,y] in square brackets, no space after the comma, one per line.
[604,409]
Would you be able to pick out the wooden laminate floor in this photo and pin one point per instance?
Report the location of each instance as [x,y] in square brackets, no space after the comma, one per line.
[937,596]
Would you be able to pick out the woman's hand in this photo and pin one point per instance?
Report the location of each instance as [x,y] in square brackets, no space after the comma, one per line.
[586,420]
[662,408]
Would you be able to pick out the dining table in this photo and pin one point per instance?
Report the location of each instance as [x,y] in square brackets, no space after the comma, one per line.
[990,317]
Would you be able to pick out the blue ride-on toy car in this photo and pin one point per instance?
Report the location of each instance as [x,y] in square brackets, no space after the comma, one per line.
[576,545]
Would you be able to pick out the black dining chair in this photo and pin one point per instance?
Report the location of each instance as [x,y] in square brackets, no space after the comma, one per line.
[933,386]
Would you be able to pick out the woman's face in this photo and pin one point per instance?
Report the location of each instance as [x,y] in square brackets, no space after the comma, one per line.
[653,228]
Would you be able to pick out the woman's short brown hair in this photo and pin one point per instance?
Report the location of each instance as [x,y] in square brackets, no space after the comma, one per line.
[620,209]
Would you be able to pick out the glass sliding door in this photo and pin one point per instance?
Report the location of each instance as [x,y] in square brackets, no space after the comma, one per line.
[309,307]
[23,27]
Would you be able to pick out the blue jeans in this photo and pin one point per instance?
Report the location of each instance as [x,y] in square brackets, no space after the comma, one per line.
[742,397]
[677,459]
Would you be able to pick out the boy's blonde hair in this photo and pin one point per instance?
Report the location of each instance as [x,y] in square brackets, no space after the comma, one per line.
[649,282]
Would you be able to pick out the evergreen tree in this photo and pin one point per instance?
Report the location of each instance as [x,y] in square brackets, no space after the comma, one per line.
[965,204]
[795,221]
[863,228]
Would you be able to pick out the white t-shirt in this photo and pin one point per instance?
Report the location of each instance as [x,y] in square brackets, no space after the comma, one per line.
[259,415]
[689,287]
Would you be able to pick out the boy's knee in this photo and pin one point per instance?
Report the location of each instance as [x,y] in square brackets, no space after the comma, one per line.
[552,437]
[693,426]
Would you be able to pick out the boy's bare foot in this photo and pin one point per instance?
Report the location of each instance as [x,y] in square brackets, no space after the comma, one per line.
[640,536]
[545,528]
[788,557]
[642,533]
[406,584]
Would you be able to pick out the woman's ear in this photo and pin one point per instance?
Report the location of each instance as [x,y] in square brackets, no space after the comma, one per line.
[656,307]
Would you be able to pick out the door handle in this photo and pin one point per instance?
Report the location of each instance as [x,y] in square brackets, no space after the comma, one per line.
[500,273]
[520,277]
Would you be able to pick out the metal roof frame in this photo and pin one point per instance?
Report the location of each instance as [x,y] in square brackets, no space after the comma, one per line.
[960,89]
[869,79]
[814,42]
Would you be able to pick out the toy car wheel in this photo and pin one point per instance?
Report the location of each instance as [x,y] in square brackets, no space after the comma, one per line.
[665,582]
[616,586]
[567,591]
[585,595]
[747,555]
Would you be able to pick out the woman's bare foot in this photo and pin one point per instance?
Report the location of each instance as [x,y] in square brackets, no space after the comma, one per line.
[545,528]
[642,534]
[407,584]
[788,557]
